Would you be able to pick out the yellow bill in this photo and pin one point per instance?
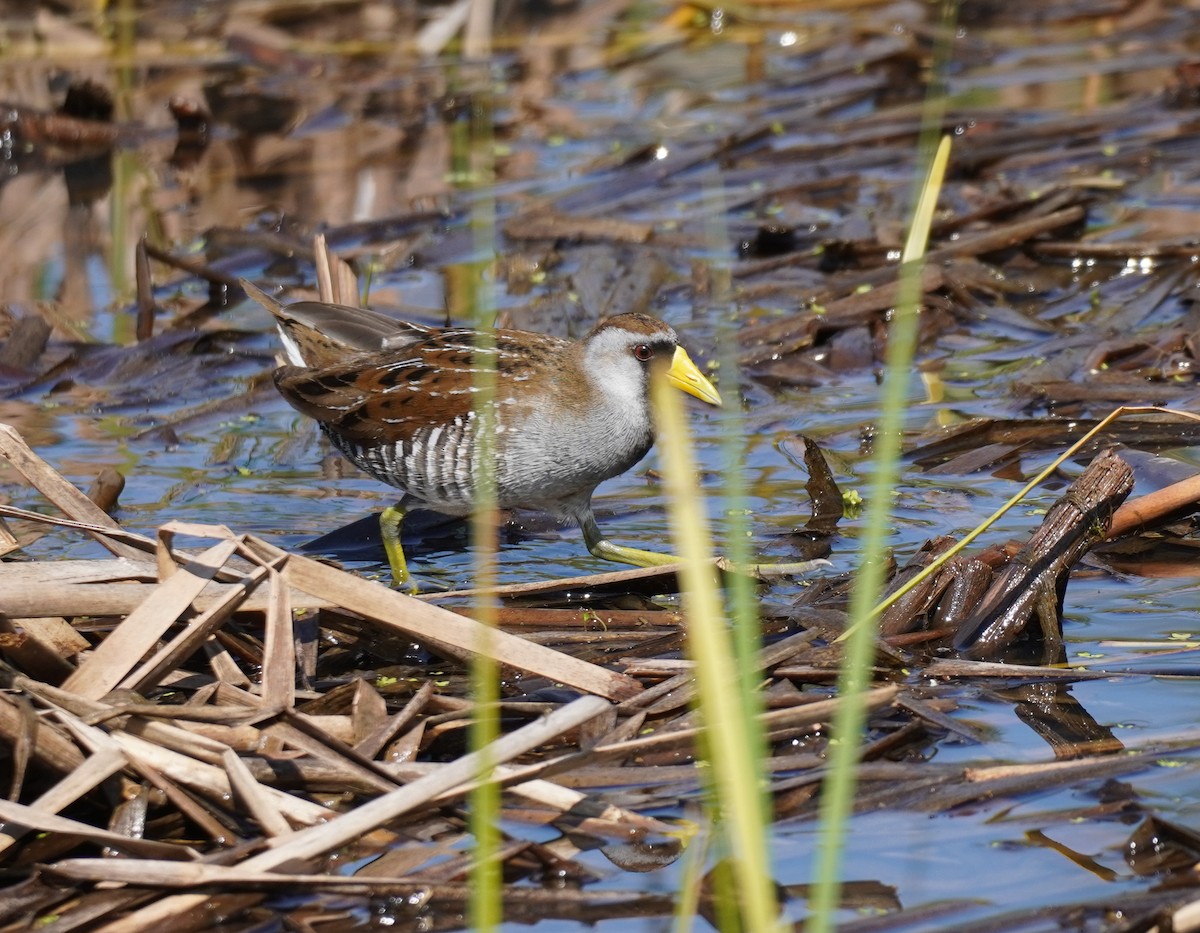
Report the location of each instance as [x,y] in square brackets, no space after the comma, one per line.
[685,375]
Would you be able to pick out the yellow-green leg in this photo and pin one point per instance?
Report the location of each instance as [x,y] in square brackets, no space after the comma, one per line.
[390,520]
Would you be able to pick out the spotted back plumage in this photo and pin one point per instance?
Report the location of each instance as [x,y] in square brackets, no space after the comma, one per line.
[407,415]
[386,397]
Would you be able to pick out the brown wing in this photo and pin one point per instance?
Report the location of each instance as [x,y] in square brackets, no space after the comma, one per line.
[385,397]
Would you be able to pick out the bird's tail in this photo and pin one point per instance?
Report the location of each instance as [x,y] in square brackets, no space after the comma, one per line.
[290,348]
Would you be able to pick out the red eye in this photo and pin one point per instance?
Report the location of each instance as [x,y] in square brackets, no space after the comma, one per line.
[643,353]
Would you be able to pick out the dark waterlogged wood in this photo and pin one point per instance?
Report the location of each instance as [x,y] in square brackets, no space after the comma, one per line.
[905,613]
[1032,585]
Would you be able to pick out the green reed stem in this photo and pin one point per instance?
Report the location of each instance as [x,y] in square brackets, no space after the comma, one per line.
[837,793]
[740,587]
[691,881]
[850,718]
[724,713]
[473,152]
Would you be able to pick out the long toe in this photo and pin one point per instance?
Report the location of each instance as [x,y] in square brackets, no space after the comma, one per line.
[631,555]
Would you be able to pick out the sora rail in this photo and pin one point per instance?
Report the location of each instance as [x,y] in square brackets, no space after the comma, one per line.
[397,400]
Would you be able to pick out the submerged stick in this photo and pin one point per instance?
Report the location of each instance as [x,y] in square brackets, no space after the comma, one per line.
[1032,584]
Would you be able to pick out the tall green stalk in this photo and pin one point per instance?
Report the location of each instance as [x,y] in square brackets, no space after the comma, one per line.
[472,155]
[837,792]
[724,712]
[123,48]
[739,587]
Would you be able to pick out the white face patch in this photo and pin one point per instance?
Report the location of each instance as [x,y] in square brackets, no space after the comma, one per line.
[614,371]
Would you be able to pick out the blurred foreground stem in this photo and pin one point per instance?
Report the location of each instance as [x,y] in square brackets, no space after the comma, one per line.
[726,715]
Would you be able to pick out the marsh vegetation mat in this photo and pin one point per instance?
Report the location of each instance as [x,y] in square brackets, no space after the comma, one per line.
[206,721]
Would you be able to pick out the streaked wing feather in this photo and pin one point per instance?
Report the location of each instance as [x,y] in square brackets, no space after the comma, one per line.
[384,397]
